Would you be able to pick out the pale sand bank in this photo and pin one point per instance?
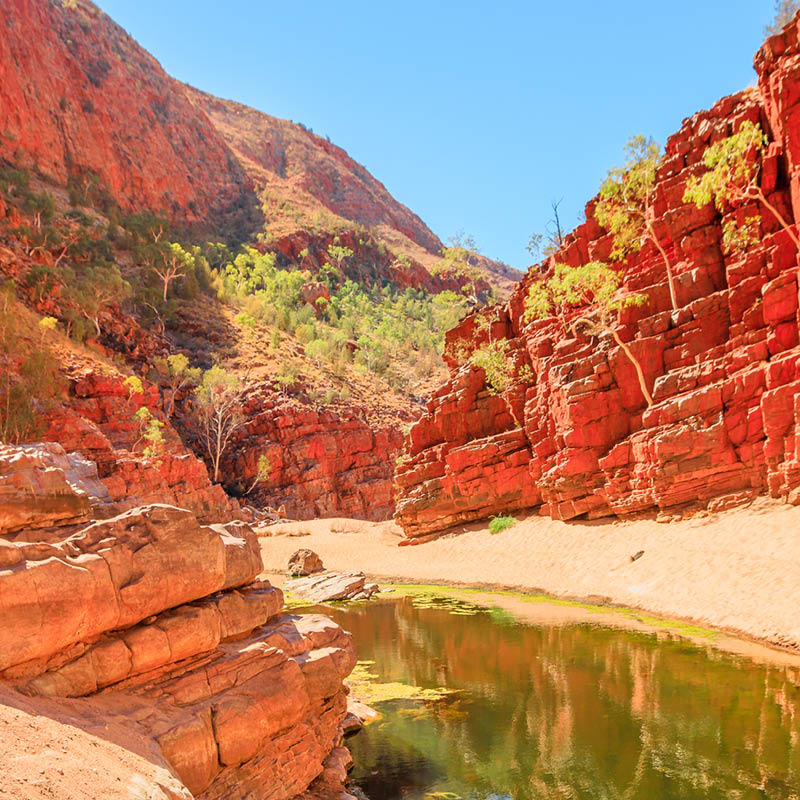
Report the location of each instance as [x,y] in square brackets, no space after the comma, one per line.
[737,571]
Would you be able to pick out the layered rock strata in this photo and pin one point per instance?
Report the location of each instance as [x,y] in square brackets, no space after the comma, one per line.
[322,463]
[574,435]
[162,629]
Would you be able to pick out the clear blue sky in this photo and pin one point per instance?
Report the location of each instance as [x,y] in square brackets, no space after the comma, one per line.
[473,114]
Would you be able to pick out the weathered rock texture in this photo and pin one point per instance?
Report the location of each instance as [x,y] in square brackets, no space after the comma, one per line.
[576,437]
[324,587]
[40,485]
[322,463]
[159,623]
[304,562]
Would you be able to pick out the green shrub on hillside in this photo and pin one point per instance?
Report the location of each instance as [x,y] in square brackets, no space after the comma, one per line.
[30,381]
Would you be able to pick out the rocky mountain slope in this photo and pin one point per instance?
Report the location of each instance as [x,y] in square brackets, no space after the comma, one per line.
[84,102]
[308,184]
[96,137]
[80,98]
[573,434]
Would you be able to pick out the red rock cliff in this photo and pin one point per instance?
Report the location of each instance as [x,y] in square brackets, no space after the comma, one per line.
[576,437]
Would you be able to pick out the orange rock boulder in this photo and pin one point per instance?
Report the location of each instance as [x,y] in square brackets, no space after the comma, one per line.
[156,626]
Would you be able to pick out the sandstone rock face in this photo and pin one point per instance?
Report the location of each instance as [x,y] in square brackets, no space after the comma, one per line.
[156,625]
[575,437]
[40,484]
[322,463]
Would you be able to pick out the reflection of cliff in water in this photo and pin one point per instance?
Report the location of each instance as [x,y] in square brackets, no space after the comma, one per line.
[570,712]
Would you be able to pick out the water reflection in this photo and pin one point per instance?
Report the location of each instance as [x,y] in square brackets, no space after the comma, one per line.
[568,712]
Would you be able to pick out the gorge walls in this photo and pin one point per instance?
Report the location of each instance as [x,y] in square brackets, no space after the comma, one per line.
[573,435]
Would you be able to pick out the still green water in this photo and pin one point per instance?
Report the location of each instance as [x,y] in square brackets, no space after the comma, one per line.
[563,712]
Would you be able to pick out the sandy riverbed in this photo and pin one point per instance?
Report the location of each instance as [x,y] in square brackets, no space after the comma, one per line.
[737,571]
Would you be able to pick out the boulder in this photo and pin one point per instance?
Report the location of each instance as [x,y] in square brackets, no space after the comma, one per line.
[304,562]
[154,626]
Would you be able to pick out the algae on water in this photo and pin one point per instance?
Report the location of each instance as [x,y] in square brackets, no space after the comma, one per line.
[366,687]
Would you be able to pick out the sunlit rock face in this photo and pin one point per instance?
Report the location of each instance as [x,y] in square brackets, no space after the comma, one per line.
[323,462]
[575,437]
[161,628]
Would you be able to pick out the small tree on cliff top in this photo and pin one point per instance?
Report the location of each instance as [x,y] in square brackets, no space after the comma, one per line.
[177,374]
[784,14]
[625,204]
[596,288]
[220,412]
[456,262]
[733,166]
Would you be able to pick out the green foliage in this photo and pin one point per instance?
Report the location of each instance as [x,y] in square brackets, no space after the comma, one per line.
[738,238]
[457,261]
[626,195]
[501,522]
[286,377]
[492,358]
[150,431]
[245,320]
[134,385]
[96,288]
[395,330]
[593,286]
[338,255]
[596,289]
[624,206]
[318,349]
[177,374]
[84,188]
[14,184]
[733,165]
[785,11]
[534,246]
[264,470]
[171,262]
[216,382]
[46,324]
[41,281]
[30,381]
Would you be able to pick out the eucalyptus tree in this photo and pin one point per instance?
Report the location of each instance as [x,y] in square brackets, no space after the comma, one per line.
[625,206]
[595,289]
[733,167]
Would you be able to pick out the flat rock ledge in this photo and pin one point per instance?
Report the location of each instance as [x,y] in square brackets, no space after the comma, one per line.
[324,587]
